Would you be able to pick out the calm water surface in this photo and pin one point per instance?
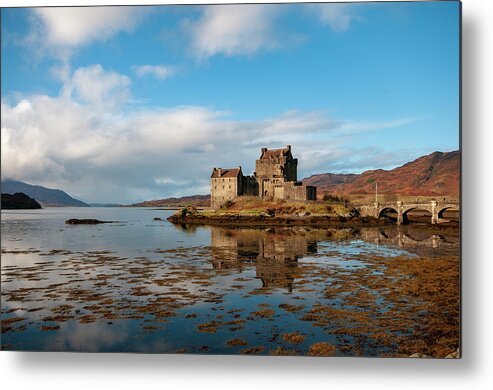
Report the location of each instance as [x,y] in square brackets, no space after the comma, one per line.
[141,285]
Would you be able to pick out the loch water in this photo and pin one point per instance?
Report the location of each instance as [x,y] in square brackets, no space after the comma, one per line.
[145,285]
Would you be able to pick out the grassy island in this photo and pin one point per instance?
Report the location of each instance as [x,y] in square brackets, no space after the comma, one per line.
[255,211]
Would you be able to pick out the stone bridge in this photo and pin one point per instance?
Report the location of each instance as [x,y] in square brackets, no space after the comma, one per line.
[434,207]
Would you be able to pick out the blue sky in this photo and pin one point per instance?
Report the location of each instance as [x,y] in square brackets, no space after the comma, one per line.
[120,104]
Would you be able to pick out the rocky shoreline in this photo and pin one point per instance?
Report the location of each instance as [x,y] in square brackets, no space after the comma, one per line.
[185,216]
[191,216]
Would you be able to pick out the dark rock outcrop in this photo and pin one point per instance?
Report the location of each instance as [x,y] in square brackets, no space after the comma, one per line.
[88,221]
[19,201]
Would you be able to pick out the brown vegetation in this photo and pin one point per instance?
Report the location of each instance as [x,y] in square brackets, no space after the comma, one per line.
[236,342]
[263,313]
[321,349]
[294,337]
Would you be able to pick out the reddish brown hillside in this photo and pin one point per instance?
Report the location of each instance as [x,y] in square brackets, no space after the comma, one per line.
[193,200]
[434,174]
[330,182]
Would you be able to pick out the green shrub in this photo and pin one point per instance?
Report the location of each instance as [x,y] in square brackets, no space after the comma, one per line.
[187,211]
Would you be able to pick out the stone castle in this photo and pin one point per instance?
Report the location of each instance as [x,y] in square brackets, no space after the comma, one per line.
[275,177]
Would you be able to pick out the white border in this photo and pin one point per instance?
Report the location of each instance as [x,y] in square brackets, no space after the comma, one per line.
[474,371]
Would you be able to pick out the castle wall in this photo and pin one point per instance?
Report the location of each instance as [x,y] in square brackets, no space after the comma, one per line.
[291,169]
[250,186]
[268,168]
[224,189]
[267,187]
[311,193]
[281,167]
[295,191]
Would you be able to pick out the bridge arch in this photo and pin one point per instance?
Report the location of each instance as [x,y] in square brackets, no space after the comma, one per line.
[423,207]
[405,216]
[445,208]
[386,209]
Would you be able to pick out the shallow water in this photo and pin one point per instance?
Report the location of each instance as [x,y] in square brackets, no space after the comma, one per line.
[140,285]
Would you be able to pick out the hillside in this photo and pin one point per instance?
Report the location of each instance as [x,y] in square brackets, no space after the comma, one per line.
[192,200]
[18,201]
[436,174]
[330,182]
[45,196]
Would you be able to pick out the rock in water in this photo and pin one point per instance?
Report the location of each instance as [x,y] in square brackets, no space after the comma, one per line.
[89,221]
[19,201]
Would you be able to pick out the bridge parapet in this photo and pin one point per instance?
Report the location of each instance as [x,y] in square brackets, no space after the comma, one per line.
[436,209]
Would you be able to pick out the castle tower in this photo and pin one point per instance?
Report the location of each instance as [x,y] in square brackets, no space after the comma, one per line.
[274,167]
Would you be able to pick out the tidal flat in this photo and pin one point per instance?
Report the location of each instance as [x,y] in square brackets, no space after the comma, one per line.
[145,285]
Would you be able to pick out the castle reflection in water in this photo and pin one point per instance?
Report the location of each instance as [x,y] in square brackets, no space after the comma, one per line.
[274,255]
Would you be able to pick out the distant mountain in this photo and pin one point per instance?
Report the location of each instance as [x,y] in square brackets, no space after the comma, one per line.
[105,205]
[437,174]
[45,196]
[19,201]
[193,200]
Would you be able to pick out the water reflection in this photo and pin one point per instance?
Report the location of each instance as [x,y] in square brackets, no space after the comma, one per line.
[275,252]
[411,239]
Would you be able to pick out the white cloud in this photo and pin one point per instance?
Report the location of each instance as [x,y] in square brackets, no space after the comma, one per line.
[233,30]
[73,26]
[95,86]
[58,31]
[90,142]
[337,16]
[160,72]
[360,126]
